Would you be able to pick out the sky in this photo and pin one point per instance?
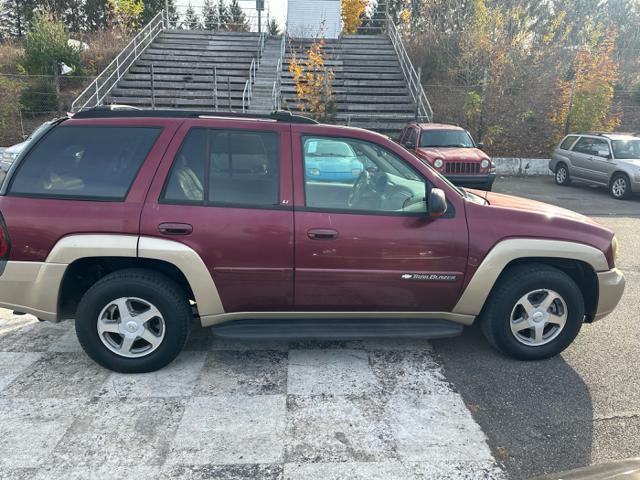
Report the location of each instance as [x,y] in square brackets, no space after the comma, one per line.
[276,8]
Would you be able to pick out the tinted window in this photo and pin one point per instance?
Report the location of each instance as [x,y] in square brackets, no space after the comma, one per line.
[226,167]
[348,174]
[445,138]
[85,162]
[592,146]
[567,142]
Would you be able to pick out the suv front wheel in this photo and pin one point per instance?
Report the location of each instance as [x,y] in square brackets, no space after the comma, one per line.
[535,311]
[133,321]
[620,187]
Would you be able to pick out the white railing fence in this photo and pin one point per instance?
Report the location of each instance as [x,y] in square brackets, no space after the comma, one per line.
[98,90]
[423,107]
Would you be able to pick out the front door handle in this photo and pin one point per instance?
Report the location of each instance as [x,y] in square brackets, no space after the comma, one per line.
[170,228]
[322,234]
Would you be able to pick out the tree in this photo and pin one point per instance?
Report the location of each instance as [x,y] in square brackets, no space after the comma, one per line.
[312,79]
[18,16]
[237,19]
[191,19]
[586,99]
[352,12]
[46,46]
[126,14]
[95,14]
[209,15]
[273,27]
[223,15]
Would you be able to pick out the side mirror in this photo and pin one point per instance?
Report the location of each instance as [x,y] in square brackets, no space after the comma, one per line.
[480,145]
[437,203]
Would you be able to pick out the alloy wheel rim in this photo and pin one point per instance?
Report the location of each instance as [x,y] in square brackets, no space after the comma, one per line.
[561,175]
[538,317]
[619,187]
[131,327]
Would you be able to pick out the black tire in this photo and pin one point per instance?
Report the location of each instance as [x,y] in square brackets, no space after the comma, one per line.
[159,291]
[514,284]
[562,174]
[620,187]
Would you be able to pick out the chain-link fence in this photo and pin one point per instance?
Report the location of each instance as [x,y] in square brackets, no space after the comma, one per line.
[27,101]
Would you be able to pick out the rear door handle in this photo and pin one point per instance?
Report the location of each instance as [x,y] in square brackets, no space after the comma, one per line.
[175,228]
[322,234]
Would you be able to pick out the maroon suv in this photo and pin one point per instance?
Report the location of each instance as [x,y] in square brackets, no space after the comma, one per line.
[138,223]
[452,152]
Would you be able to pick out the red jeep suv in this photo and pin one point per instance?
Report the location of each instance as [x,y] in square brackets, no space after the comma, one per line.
[138,223]
[452,152]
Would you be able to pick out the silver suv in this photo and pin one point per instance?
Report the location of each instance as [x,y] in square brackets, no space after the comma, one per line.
[609,159]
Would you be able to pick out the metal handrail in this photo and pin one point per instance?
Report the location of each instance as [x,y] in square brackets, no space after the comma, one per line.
[261,41]
[276,92]
[119,66]
[247,93]
[215,88]
[413,79]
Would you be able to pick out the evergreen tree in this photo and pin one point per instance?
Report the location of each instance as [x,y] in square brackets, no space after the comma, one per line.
[209,15]
[94,14]
[223,15]
[18,16]
[273,27]
[191,20]
[237,18]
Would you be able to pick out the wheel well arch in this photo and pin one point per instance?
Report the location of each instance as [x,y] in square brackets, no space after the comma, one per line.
[618,172]
[579,271]
[82,273]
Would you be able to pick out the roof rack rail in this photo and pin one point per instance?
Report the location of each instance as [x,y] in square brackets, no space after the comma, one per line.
[126,111]
[599,134]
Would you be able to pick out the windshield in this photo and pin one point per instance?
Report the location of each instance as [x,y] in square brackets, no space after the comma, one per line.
[445,138]
[626,149]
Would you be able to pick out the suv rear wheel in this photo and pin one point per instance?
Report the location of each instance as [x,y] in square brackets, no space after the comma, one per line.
[562,175]
[534,312]
[620,187]
[133,321]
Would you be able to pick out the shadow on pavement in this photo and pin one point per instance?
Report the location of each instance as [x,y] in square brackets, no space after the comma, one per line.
[537,415]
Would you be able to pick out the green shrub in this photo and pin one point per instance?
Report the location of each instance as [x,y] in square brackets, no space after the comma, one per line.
[46,46]
[39,98]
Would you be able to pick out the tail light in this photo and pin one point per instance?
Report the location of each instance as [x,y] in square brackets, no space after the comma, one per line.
[5,242]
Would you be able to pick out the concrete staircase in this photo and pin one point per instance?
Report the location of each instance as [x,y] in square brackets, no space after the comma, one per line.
[262,99]
[370,90]
[183,63]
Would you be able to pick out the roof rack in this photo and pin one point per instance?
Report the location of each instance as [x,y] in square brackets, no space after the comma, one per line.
[599,134]
[126,111]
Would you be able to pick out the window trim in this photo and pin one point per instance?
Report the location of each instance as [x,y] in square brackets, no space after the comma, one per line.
[207,169]
[573,144]
[428,185]
[83,198]
[605,140]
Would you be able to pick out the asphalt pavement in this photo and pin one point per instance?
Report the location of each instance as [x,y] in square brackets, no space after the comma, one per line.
[582,407]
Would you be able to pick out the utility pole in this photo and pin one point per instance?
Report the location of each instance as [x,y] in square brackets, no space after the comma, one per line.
[56,82]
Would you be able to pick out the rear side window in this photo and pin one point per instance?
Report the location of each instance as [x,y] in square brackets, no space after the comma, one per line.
[92,163]
[567,142]
[226,167]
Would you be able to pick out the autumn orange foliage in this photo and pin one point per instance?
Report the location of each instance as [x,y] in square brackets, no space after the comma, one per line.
[312,79]
[352,15]
[596,72]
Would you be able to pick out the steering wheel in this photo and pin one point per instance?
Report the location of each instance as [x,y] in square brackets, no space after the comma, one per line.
[368,190]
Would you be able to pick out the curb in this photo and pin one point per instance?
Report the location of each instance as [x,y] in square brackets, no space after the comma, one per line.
[513,166]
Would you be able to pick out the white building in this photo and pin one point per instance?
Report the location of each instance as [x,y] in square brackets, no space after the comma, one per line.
[314,18]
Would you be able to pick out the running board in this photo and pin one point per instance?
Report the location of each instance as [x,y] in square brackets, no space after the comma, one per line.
[332,329]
